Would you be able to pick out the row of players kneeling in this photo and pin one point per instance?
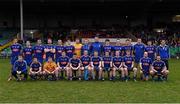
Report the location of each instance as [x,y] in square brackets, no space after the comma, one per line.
[74,69]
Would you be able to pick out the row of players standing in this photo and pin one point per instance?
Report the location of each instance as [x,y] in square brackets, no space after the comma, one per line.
[42,52]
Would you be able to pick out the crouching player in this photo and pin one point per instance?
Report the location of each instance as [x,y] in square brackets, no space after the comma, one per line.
[50,70]
[96,66]
[129,66]
[63,65]
[159,69]
[145,66]
[107,66]
[117,65]
[75,64]
[85,59]
[35,69]
[20,68]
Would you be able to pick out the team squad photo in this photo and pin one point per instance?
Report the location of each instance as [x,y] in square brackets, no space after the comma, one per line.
[89,61]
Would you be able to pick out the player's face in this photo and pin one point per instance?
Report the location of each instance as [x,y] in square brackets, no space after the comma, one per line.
[95,53]
[15,41]
[145,54]
[128,42]
[59,42]
[107,42]
[139,41]
[163,42]
[158,58]
[149,43]
[77,41]
[39,42]
[74,56]
[85,53]
[64,54]
[20,58]
[28,43]
[86,41]
[106,53]
[35,60]
[128,53]
[49,41]
[117,53]
[118,43]
[49,59]
[96,39]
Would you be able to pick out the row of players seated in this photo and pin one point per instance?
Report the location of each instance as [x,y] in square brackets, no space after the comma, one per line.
[92,67]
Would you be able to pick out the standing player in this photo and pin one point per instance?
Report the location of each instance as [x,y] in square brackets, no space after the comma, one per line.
[75,64]
[139,51]
[49,50]
[96,66]
[39,51]
[107,66]
[164,52]
[63,64]
[19,68]
[35,69]
[159,69]
[151,50]
[69,49]
[129,66]
[77,47]
[128,46]
[145,66]
[50,69]
[118,47]
[117,65]
[86,60]
[96,46]
[107,47]
[86,47]
[59,50]
[16,51]
[28,53]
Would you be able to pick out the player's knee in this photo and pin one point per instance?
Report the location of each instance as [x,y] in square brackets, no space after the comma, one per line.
[135,69]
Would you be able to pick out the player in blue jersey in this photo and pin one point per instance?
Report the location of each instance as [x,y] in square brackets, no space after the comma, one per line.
[86,47]
[35,69]
[107,66]
[96,46]
[39,51]
[138,51]
[49,50]
[118,47]
[28,53]
[96,66]
[117,65]
[75,64]
[16,49]
[151,50]
[145,66]
[129,66]
[159,68]
[107,47]
[59,49]
[164,52]
[85,61]
[19,69]
[69,49]
[128,46]
[63,65]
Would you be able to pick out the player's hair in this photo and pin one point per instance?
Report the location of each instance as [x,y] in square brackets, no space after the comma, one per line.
[107,40]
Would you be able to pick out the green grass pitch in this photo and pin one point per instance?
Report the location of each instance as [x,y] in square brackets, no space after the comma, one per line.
[90,91]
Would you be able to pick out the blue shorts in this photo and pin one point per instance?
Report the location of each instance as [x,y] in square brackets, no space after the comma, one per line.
[146,73]
[96,68]
[106,69]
